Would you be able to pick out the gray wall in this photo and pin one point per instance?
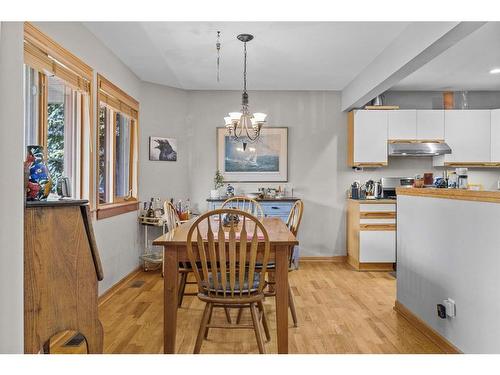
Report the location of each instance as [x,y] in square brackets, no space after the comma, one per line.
[118,238]
[163,114]
[11,187]
[448,248]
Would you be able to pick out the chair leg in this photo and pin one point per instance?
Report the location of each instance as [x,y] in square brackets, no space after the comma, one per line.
[240,313]
[256,326]
[203,326]
[209,320]
[264,320]
[291,304]
[182,288]
[228,316]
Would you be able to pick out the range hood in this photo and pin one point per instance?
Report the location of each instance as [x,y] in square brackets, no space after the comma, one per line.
[418,148]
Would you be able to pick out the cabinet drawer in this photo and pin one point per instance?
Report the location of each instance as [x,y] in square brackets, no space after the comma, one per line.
[378,221]
[276,208]
[377,246]
[374,207]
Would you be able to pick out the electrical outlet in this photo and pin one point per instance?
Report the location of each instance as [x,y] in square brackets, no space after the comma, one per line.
[441,311]
[450,307]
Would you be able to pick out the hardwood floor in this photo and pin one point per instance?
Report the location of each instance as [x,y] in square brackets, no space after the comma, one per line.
[339,311]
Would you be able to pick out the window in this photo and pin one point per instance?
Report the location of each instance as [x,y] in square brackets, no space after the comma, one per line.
[117,123]
[57,88]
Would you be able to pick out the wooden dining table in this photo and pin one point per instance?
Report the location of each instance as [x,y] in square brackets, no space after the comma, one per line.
[174,245]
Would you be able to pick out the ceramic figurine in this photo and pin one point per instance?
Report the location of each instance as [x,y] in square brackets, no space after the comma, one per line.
[39,183]
[229,219]
[230,190]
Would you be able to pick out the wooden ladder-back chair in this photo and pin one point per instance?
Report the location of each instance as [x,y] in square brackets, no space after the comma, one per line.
[245,204]
[224,262]
[172,221]
[293,224]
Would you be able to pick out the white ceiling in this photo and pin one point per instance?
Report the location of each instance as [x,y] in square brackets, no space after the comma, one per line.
[283,55]
[464,66]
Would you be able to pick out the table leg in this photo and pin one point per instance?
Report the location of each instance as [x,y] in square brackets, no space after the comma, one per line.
[282,298]
[170,278]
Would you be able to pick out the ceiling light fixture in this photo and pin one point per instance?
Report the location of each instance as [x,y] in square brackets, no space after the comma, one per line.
[243,126]
[495,71]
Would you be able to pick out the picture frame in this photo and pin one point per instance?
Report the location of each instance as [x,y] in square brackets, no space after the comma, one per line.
[266,160]
[162,149]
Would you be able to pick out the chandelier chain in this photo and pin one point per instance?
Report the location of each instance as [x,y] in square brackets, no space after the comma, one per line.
[245,68]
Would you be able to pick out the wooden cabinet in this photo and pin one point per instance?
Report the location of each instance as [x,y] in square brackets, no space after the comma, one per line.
[61,272]
[367,138]
[371,235]
[402,124]
[468,133]
[430,124]
[495,136]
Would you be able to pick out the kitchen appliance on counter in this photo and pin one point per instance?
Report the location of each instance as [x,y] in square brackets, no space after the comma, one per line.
[462,178]
[389,185]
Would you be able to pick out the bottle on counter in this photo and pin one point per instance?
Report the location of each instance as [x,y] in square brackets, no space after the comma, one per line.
[151,212]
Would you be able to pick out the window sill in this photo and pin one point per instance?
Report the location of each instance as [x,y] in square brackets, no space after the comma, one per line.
[114,209]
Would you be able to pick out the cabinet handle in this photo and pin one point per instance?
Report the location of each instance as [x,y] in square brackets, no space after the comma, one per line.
[275,208]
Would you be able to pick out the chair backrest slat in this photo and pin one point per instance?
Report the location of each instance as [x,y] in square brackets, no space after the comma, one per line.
[227,255]
[295,217]
[232,259]
[245,204]
[170,215]
[243,254]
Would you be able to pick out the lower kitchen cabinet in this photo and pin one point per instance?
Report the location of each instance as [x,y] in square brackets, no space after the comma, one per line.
[371,234]
[377,246]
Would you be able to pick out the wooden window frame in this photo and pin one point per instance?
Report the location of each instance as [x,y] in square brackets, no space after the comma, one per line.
[45,55]
[119,102]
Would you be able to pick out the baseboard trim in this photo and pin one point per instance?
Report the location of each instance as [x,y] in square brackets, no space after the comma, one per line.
[116,287]
[446,346]
[332,259]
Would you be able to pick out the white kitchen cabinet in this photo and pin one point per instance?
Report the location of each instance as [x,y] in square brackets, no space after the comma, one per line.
[495,136]
[468,133]
[402,124]
[430,124]
[368,138]
[377,246]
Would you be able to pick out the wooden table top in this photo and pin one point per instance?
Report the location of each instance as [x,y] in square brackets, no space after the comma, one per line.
[278,232]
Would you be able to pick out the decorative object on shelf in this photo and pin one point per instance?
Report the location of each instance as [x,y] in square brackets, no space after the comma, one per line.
[230,219]
[38,184]
[63,187]
[243,126]
[465,101]
[265,160]
[162,149]
[217,47]
[218,183]
[230,190]
[378,100]
[448,100]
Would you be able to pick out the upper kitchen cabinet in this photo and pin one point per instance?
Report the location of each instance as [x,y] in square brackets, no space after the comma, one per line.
[495,136]
[468,133]
[402,124]
[367,138]
[430,124]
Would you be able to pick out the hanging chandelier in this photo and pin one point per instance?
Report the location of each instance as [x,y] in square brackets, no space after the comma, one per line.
[244,126]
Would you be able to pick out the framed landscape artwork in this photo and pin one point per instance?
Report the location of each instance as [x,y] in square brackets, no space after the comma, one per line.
[162,149]
[264,160]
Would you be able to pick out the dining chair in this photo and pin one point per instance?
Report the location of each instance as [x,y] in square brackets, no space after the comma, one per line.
[293,224]
[224,261]
[172,221]
[246,204]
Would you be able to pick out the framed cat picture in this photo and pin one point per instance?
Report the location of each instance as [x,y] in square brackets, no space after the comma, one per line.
[162,149]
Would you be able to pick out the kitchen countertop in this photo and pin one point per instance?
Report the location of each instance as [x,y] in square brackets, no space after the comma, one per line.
[285,199]
[374,201]
[460,194]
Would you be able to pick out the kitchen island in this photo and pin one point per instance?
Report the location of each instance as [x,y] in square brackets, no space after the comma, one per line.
[448,247]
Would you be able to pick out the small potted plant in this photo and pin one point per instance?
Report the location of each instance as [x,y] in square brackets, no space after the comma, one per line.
[218,183]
